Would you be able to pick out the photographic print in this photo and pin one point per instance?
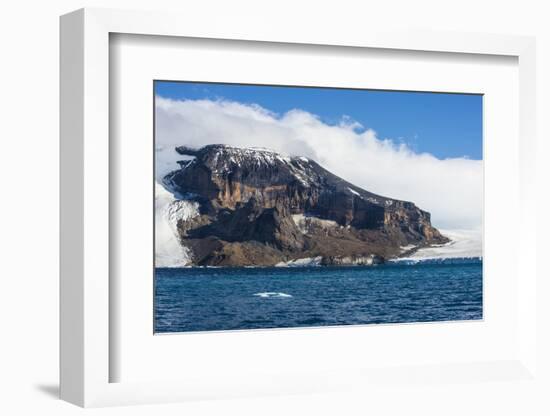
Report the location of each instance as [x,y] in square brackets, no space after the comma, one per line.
[289,207]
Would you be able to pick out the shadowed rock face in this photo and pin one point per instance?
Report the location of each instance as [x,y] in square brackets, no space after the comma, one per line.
[261,208]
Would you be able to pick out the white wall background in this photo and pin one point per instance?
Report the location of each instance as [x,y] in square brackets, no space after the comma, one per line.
[29,207]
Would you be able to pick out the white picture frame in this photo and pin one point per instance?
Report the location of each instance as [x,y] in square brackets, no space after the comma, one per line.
[86,333]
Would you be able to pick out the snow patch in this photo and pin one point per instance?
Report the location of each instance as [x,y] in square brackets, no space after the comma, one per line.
[300,221]
[304,222]
[304,262]
[181,210]
[231,157]
[407,248]
[353,191]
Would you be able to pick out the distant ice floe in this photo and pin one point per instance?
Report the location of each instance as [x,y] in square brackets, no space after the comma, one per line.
[272,295]
[463,244]
[168,211]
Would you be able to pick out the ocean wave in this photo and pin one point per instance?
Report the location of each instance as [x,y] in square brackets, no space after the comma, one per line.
[272,295]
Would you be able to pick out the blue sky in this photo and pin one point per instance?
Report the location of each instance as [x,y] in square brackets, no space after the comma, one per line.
[445,125]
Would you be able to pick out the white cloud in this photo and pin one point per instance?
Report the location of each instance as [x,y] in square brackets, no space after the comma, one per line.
[451,189]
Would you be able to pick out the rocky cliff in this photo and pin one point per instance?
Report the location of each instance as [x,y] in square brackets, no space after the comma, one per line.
[258,207]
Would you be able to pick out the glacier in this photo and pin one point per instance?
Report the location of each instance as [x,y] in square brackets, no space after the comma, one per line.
[169,252]
[464,244]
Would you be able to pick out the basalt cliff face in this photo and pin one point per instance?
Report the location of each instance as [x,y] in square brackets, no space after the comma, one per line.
[259,208]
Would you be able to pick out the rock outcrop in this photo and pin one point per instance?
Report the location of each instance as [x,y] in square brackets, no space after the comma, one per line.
[258,207]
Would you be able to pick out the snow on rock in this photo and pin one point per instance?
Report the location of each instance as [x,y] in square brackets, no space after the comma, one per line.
[224,160]
[304,262]
[353,191]
[300,221]
[305,222]
[181,210]
[169,252]
[404,249]
[234,156]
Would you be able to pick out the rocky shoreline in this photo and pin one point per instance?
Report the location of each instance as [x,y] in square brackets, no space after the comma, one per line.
[351,261]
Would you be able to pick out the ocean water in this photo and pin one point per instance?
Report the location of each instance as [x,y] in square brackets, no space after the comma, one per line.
[213,299]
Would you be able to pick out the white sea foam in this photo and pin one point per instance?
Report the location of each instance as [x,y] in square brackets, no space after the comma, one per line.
[272,295]
[463,244]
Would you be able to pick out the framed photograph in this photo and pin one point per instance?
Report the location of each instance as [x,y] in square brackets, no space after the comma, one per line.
[266,213]
[253,237]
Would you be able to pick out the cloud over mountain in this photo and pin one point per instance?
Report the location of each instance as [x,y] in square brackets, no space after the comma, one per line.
[451,189]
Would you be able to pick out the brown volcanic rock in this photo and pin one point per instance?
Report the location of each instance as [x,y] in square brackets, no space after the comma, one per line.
[252,222]
[259,208]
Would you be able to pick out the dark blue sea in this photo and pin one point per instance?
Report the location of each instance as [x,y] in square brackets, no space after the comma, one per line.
[213,299]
